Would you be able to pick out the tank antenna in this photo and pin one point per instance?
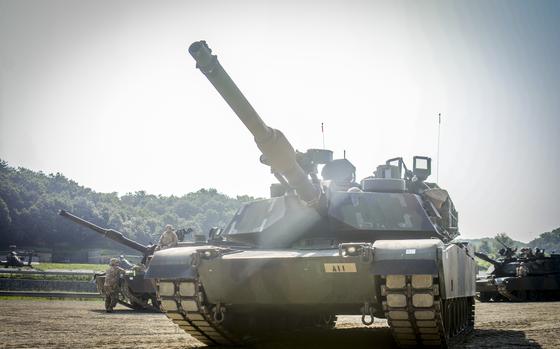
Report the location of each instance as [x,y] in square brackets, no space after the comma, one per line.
[438,133]
[323,134]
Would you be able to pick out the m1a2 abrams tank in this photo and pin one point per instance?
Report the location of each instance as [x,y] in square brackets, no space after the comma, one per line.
[16,259]
[321,247]
[520,276]
[136,292]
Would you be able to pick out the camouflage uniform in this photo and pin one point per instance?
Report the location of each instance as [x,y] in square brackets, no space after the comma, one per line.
[521,270]
[13,260]
[168,238]
[111,285]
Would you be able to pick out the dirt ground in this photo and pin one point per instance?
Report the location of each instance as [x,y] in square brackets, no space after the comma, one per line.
[84,324]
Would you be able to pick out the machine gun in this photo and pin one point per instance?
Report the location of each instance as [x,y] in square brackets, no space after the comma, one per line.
[486,258]
[277,151]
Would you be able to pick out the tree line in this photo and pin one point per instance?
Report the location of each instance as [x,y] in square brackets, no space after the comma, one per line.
[550,241]
[29,203]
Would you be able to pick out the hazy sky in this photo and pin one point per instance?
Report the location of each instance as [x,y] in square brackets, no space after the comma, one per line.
[106,93]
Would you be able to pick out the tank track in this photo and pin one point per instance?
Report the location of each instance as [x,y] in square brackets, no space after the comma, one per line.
[184,303]
[416,314]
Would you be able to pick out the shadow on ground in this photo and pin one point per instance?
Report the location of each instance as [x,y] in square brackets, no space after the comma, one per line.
[492,338]
[126,312]
[380,338]
[377,337]
[356,338]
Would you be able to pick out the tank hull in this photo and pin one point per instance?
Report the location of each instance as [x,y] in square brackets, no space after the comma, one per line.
[519,289]
[387,279]
[284,277]
[289,279]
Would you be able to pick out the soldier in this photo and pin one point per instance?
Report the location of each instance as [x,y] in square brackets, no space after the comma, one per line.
[521,270]
[168,238]
[13,260]
[539,253]
[111,285]
[510,252]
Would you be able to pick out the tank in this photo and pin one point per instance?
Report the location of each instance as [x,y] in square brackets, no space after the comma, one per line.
[16,259]
[323,245]
[521,276]
[136,292]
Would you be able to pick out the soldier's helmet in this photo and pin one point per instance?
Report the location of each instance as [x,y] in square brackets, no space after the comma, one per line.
[113,262]
[169,227]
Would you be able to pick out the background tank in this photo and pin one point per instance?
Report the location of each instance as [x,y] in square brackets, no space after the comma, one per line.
[515,276]
[136,292]
[322,245]
[17,259]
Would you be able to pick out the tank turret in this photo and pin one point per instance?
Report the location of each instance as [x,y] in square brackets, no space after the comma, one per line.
[276,149]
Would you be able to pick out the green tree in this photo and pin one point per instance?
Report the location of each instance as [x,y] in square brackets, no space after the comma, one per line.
[5,219]
[485,247]
[505,240]
[550,241]
[29,202]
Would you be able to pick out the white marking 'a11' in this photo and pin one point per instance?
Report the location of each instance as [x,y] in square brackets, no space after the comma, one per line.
[340,268]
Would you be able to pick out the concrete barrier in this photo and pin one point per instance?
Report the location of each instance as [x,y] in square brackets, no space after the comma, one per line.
[46,272]
[78,295]
[9,284]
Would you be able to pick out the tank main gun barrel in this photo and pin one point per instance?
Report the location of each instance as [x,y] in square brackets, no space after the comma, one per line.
[110,233]
[272,143]
[485,257]
[503,243]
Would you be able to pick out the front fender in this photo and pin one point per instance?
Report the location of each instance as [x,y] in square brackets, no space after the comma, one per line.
[419,256]
[173,263]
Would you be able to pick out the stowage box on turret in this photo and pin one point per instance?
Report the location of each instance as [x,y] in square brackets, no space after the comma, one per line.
[322,245]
